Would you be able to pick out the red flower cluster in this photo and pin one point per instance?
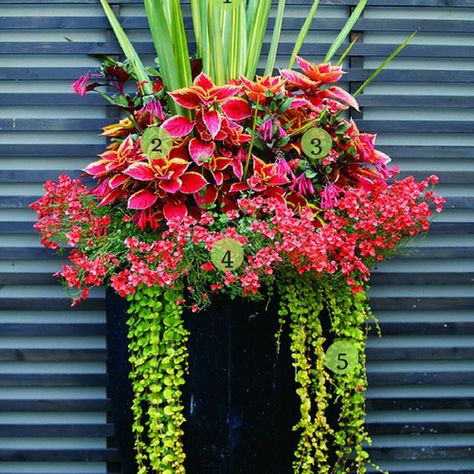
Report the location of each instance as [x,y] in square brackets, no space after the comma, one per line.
[67,215]
[366,226]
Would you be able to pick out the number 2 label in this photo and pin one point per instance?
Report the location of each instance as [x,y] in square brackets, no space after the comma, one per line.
[156,142]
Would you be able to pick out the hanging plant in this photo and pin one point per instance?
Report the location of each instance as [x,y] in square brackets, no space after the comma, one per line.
[220,181]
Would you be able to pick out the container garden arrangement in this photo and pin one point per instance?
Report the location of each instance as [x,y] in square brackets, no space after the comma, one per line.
[218,183]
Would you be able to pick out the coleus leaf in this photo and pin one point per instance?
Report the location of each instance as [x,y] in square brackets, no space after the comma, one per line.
[204,81]
[236,108]
[140,172]
[192,182]
[206,196]
[341,95]
[117,180]
[111,197]
[142,199]
[96,168]
[223,92]
[236,187]
[172,210]
[187,97]
[200,151]
[297,79]
[171,186]
[212,120]
[218,177]
[178,126]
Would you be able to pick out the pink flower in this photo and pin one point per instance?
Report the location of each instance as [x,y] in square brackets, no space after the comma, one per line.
[303,185]
[329,196]
[266,129]
[154,108]
[81,86]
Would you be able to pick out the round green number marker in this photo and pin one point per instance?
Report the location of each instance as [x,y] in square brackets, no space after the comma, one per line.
[342,357]
[227,254]
[229,3]
[156,142]
[316,143]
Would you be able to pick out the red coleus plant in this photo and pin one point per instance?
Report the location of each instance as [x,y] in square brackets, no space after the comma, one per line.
[239,168]
[243,136]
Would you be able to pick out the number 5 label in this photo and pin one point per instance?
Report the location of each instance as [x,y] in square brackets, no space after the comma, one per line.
[342,357]
[227,254]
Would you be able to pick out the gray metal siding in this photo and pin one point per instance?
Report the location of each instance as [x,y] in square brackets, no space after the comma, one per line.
[53,405]
[53,359]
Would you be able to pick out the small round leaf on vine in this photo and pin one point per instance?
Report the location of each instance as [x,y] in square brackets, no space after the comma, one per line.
[227,254]
[342,357]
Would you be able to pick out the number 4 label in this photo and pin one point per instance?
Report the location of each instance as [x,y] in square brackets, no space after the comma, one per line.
[342,357]
[227,254]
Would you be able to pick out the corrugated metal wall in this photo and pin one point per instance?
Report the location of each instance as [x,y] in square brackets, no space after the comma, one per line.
[422,370]
[53,405]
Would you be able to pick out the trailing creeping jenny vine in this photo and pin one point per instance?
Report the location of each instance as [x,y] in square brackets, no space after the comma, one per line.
[157,344]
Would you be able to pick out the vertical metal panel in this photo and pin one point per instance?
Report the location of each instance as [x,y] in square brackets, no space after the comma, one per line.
[53,406]
[421,371]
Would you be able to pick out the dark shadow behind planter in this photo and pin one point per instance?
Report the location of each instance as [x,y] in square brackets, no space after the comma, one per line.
[119,387]
[240,401]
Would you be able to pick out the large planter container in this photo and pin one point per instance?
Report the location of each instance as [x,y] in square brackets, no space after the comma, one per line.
[240,400]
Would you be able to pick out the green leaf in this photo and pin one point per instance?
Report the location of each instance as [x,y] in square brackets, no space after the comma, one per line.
[215,46]
[180,44]
[285,105]
[168,394]
[236,45]
[303,33]
[270,65]
[256,35]
[165,50]
[344,33]
[196,6]
[348,49]
[128,48]
[382,66]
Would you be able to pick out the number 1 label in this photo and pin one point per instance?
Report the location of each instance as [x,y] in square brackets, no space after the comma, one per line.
[228,4]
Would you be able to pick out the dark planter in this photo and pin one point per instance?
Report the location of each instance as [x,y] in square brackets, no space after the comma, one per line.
[240,400]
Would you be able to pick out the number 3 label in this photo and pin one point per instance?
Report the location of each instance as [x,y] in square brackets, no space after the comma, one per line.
[227,254]
[316,143]
[342,357]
